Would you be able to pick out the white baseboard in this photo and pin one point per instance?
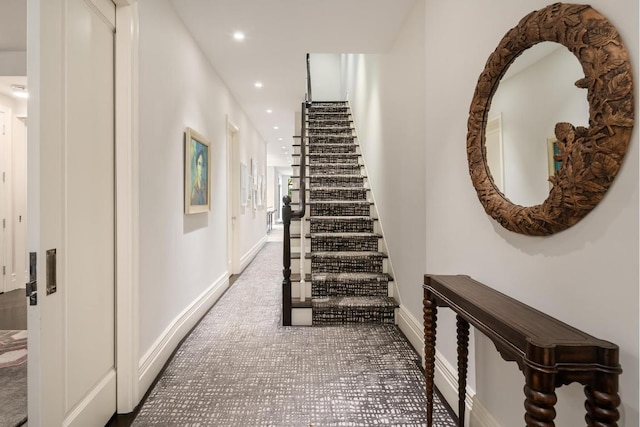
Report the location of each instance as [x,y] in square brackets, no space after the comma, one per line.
[153,360]
[246,259]
[446,376]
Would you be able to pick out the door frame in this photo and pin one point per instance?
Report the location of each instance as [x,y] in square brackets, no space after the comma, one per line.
[233,202]
[127,215]
[6,199]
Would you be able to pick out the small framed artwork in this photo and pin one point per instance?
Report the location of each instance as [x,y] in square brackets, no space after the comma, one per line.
[197,173]
[259,192]
[244,185]
[552,151]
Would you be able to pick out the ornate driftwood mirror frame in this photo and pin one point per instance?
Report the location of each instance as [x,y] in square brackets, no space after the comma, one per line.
[591,157]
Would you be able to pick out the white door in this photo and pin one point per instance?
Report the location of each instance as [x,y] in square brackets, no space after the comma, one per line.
[19,200]
[4,203]
[72,374]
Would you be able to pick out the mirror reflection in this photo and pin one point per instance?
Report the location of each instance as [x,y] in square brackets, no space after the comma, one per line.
[537,92]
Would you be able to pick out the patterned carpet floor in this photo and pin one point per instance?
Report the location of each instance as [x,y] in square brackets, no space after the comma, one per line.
[240,367]
[13,378]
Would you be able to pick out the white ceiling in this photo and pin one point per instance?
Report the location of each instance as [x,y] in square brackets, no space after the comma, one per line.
[279,33]
[13,25]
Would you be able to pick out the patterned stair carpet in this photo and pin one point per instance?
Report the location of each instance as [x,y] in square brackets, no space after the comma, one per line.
[240,367]
[349,283]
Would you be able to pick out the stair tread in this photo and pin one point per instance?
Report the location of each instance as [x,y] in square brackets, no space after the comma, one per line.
[338,276]
[347,254]
[333,154]
[333,188]
[332,176]
[333,217]
[328,144]
[347,234]
[337,234]
[338,202]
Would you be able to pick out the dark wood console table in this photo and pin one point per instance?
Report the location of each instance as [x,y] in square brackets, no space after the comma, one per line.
[549,353]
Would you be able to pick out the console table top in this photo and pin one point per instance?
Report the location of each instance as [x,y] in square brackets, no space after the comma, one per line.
[520,332]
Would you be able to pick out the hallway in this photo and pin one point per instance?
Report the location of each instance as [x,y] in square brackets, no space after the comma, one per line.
[240,367]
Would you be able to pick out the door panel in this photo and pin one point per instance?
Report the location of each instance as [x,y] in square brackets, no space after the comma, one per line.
[4,204]
[72,330]
[89,201]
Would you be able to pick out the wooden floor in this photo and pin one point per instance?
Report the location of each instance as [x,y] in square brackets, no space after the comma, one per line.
[13,310]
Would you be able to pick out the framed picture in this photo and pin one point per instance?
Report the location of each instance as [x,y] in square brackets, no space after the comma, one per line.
[244,185]
[197,173]
[553,150]
[259,191]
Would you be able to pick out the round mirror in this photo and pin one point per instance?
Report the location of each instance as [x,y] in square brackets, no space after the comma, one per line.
[584,159]
[536,92]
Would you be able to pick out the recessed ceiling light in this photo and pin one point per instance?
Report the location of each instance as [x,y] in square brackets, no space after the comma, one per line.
[238,35]
[258,84]
[276,128]
[283,147]
[279,139]
[269,111]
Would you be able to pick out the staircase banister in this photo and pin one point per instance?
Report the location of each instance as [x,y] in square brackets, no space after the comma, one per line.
[287,215]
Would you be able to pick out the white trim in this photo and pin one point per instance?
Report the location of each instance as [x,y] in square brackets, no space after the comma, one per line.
[446,376]
[480,416]
[251,254]
[127,216]
[412,329]
[91,409]
[154,359]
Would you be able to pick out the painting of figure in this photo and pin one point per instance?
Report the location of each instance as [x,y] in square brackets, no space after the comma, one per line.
[197,173]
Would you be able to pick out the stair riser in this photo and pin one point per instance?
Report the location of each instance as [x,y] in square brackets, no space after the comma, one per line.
[295,266]
[338,120]
[347,265]
[322,195]
[333,289]
[339,290]
[295,242]
[323,159]
[330,131]
[354,169]
[329,149]
[357,244]
[342,226]
[353,315]
[333,181]
[314,112]
[328,139]
[337,226]
[338,194]
[342,209]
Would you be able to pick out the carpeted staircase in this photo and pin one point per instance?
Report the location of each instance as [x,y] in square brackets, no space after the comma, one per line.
[349,279]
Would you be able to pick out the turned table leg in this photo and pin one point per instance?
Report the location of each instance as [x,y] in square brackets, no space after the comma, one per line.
[430,319]
[602,407]
[463,356]
[540,398]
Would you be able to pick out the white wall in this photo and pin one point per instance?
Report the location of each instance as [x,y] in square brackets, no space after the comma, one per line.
[183,256]
[386,93]
[325,76]
[586,276]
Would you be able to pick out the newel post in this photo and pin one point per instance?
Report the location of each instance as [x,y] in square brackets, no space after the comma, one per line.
[286,262]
